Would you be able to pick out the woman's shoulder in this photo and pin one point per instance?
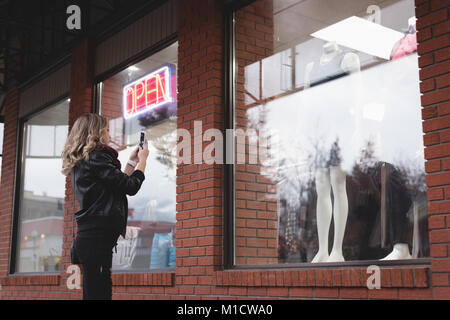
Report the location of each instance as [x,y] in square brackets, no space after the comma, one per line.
[100,156]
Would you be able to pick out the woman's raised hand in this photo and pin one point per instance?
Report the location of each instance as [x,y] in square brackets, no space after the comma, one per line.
[143,152]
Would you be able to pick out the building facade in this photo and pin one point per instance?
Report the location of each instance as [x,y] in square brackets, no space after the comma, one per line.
[349,102]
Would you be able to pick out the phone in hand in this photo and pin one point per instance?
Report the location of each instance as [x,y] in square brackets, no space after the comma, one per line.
[142,139]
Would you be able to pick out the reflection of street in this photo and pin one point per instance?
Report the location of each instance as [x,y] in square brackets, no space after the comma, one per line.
[40,233]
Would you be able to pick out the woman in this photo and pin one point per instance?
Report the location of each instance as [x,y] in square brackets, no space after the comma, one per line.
[101,188]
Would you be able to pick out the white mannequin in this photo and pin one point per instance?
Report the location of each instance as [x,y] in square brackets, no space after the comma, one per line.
[401,250]
[327,178]
[331,178]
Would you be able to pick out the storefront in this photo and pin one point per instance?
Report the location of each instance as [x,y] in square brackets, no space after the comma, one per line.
[336,169]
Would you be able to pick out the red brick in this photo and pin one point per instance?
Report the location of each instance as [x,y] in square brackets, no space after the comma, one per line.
[326,293]
[278,292]
[443,81]
[415,294]
[427,60]
[436,222]
[436,97]
[438,4]
[440,55]
[386,278]
[407,277]
[432,166]
[432,70]
[427,85]
[440,280]
[396,277]
[301,292]
[441,293]
[441,265]
[434,44]
[435,194]
[353,293]
[438,207]
[383,294]
[439,236]
[431,19]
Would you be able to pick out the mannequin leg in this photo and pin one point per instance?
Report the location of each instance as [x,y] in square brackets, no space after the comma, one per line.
[323,188]
[338,183]
[400,251]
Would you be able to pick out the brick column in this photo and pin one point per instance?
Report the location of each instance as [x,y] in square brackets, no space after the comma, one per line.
[81,86]
[7,176]
[256,200]
[433,27]
[199,192]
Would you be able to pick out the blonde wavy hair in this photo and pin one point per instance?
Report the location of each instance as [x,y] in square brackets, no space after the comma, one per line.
[85,135]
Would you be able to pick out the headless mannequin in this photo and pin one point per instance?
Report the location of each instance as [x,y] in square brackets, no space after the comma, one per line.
[331,178]
[401,250]
[327,178]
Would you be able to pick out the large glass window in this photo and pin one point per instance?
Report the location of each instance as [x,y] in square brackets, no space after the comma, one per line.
[330,89]
[143,97]
[42,191]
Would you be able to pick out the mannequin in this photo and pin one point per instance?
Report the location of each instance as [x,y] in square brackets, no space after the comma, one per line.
[405,46]
[400,251]
[333,64]
[326,179]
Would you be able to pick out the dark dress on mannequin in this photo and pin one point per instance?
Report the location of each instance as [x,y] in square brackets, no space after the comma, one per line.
[377,239]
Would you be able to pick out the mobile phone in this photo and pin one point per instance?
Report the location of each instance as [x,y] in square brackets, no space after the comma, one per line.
[142,139]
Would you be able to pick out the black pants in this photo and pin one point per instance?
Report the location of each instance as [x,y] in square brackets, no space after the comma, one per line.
[94,249]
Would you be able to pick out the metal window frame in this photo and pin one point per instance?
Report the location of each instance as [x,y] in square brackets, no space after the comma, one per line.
[231,7]
[19,175]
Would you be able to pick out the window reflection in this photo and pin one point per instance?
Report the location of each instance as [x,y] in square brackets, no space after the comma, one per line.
[41,207]
[339,92]
[150,239]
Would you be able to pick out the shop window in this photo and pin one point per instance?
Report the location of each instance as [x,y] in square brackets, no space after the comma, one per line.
[143,97]
[42,191]
[330,88]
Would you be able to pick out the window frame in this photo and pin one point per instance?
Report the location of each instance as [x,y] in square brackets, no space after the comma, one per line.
[96,108]
[229,190]
[18,181]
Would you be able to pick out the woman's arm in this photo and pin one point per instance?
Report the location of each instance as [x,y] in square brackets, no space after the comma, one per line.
[105,170]
[128,169]
[135,157]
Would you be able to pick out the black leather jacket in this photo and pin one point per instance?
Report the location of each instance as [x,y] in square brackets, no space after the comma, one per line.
[101,188]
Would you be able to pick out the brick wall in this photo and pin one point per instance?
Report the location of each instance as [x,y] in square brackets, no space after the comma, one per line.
[433,27]
[7,176]
[256,200]
[199,193]
[112,109]
[199,241]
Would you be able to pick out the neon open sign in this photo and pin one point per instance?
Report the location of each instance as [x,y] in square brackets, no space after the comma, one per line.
[147,93]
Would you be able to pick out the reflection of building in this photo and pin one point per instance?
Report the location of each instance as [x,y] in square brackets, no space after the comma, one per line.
[36,206]
[41,233]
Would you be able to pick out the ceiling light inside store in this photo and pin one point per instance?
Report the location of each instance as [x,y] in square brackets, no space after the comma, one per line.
[133,68]
[361,35]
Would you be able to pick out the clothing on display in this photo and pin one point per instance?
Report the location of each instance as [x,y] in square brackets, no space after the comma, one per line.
[379,205]
[163,251]
[328,67]
[406,45]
